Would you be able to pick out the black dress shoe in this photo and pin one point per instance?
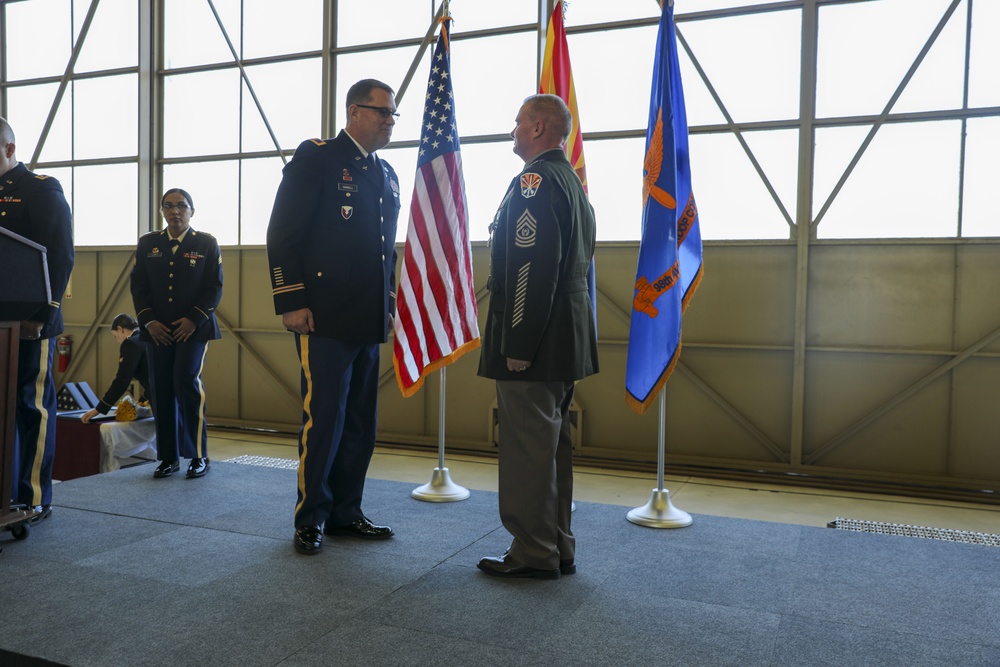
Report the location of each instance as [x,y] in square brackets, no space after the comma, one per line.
[44,512]
[508,567]
[166,468]
[362,528]
[308,540]
[567,567]
[198,467]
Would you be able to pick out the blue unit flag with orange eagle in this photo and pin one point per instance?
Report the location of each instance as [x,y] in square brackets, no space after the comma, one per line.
[670,262]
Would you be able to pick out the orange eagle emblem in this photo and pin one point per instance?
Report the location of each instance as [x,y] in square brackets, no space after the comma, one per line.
[652,165]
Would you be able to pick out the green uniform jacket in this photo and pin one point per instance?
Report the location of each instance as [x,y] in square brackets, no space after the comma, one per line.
[540,310]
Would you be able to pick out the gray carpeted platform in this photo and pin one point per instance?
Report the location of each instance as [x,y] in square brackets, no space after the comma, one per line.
[135,571]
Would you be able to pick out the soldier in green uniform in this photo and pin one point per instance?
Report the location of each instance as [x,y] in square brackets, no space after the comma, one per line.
[539,340]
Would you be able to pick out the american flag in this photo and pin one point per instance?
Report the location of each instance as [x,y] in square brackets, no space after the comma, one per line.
[437,320]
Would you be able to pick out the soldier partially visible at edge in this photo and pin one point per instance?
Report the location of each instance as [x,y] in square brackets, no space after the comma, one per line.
[34,206]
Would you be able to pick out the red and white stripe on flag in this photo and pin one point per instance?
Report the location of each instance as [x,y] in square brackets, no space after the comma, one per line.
[437,320]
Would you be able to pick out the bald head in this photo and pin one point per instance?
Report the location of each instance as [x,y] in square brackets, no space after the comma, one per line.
[7,159]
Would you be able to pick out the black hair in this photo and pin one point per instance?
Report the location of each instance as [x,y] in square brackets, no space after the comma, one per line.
[361,92]
[182,193]
[125,321]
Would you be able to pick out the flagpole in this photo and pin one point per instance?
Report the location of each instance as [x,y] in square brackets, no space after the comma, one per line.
[441,489]
[659,512]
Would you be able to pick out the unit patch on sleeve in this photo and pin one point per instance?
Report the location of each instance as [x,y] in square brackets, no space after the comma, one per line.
[529,184]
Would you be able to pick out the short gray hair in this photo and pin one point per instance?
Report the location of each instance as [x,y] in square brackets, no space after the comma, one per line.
[552,110]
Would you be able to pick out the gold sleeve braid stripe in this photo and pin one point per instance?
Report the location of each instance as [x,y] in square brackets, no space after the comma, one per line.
[288,288]
[519,294]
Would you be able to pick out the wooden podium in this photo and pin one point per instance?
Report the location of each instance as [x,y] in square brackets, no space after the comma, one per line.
[24,288]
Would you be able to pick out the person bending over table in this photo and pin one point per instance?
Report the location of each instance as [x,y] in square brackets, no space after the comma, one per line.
[132,364]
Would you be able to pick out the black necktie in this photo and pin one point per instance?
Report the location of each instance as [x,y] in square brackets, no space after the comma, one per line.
[373,162]
[174,243]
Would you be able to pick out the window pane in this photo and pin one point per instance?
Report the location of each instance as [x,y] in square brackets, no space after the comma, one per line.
[600,108]
[102,215]
[681,6]
[858,69]
[388,66]
[200,113]
[980,213]
[397,19]
[28,107]
[191,33]
[489,87]
[293,112]
[113,38]
[984,75]
[214,187]
[470,17]
[614,179]
[771,63]
[777,153]
[938,82]
[39,38]
[260,179]
[586,13]
[888,193]
[732,200]
[118,122]
[297,27]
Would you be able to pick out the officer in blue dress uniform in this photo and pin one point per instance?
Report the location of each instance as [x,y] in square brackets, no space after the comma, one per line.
[35,207]
[176,286]
[331,250]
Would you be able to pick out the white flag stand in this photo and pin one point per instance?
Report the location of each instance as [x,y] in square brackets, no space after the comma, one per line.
[441,489]
[659,512]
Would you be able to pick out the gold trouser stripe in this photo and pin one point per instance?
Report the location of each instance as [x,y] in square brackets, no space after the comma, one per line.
[43,426]
[307,407]
[199,434]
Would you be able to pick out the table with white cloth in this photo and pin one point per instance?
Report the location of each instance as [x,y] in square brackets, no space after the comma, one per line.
[100,446]
[122,440]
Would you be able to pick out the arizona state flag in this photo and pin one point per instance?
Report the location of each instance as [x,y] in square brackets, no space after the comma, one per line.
[557,79]
[670,260]
[437,318]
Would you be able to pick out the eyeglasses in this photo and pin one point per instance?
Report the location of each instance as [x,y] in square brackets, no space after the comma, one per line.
[384,112]
[167,206]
